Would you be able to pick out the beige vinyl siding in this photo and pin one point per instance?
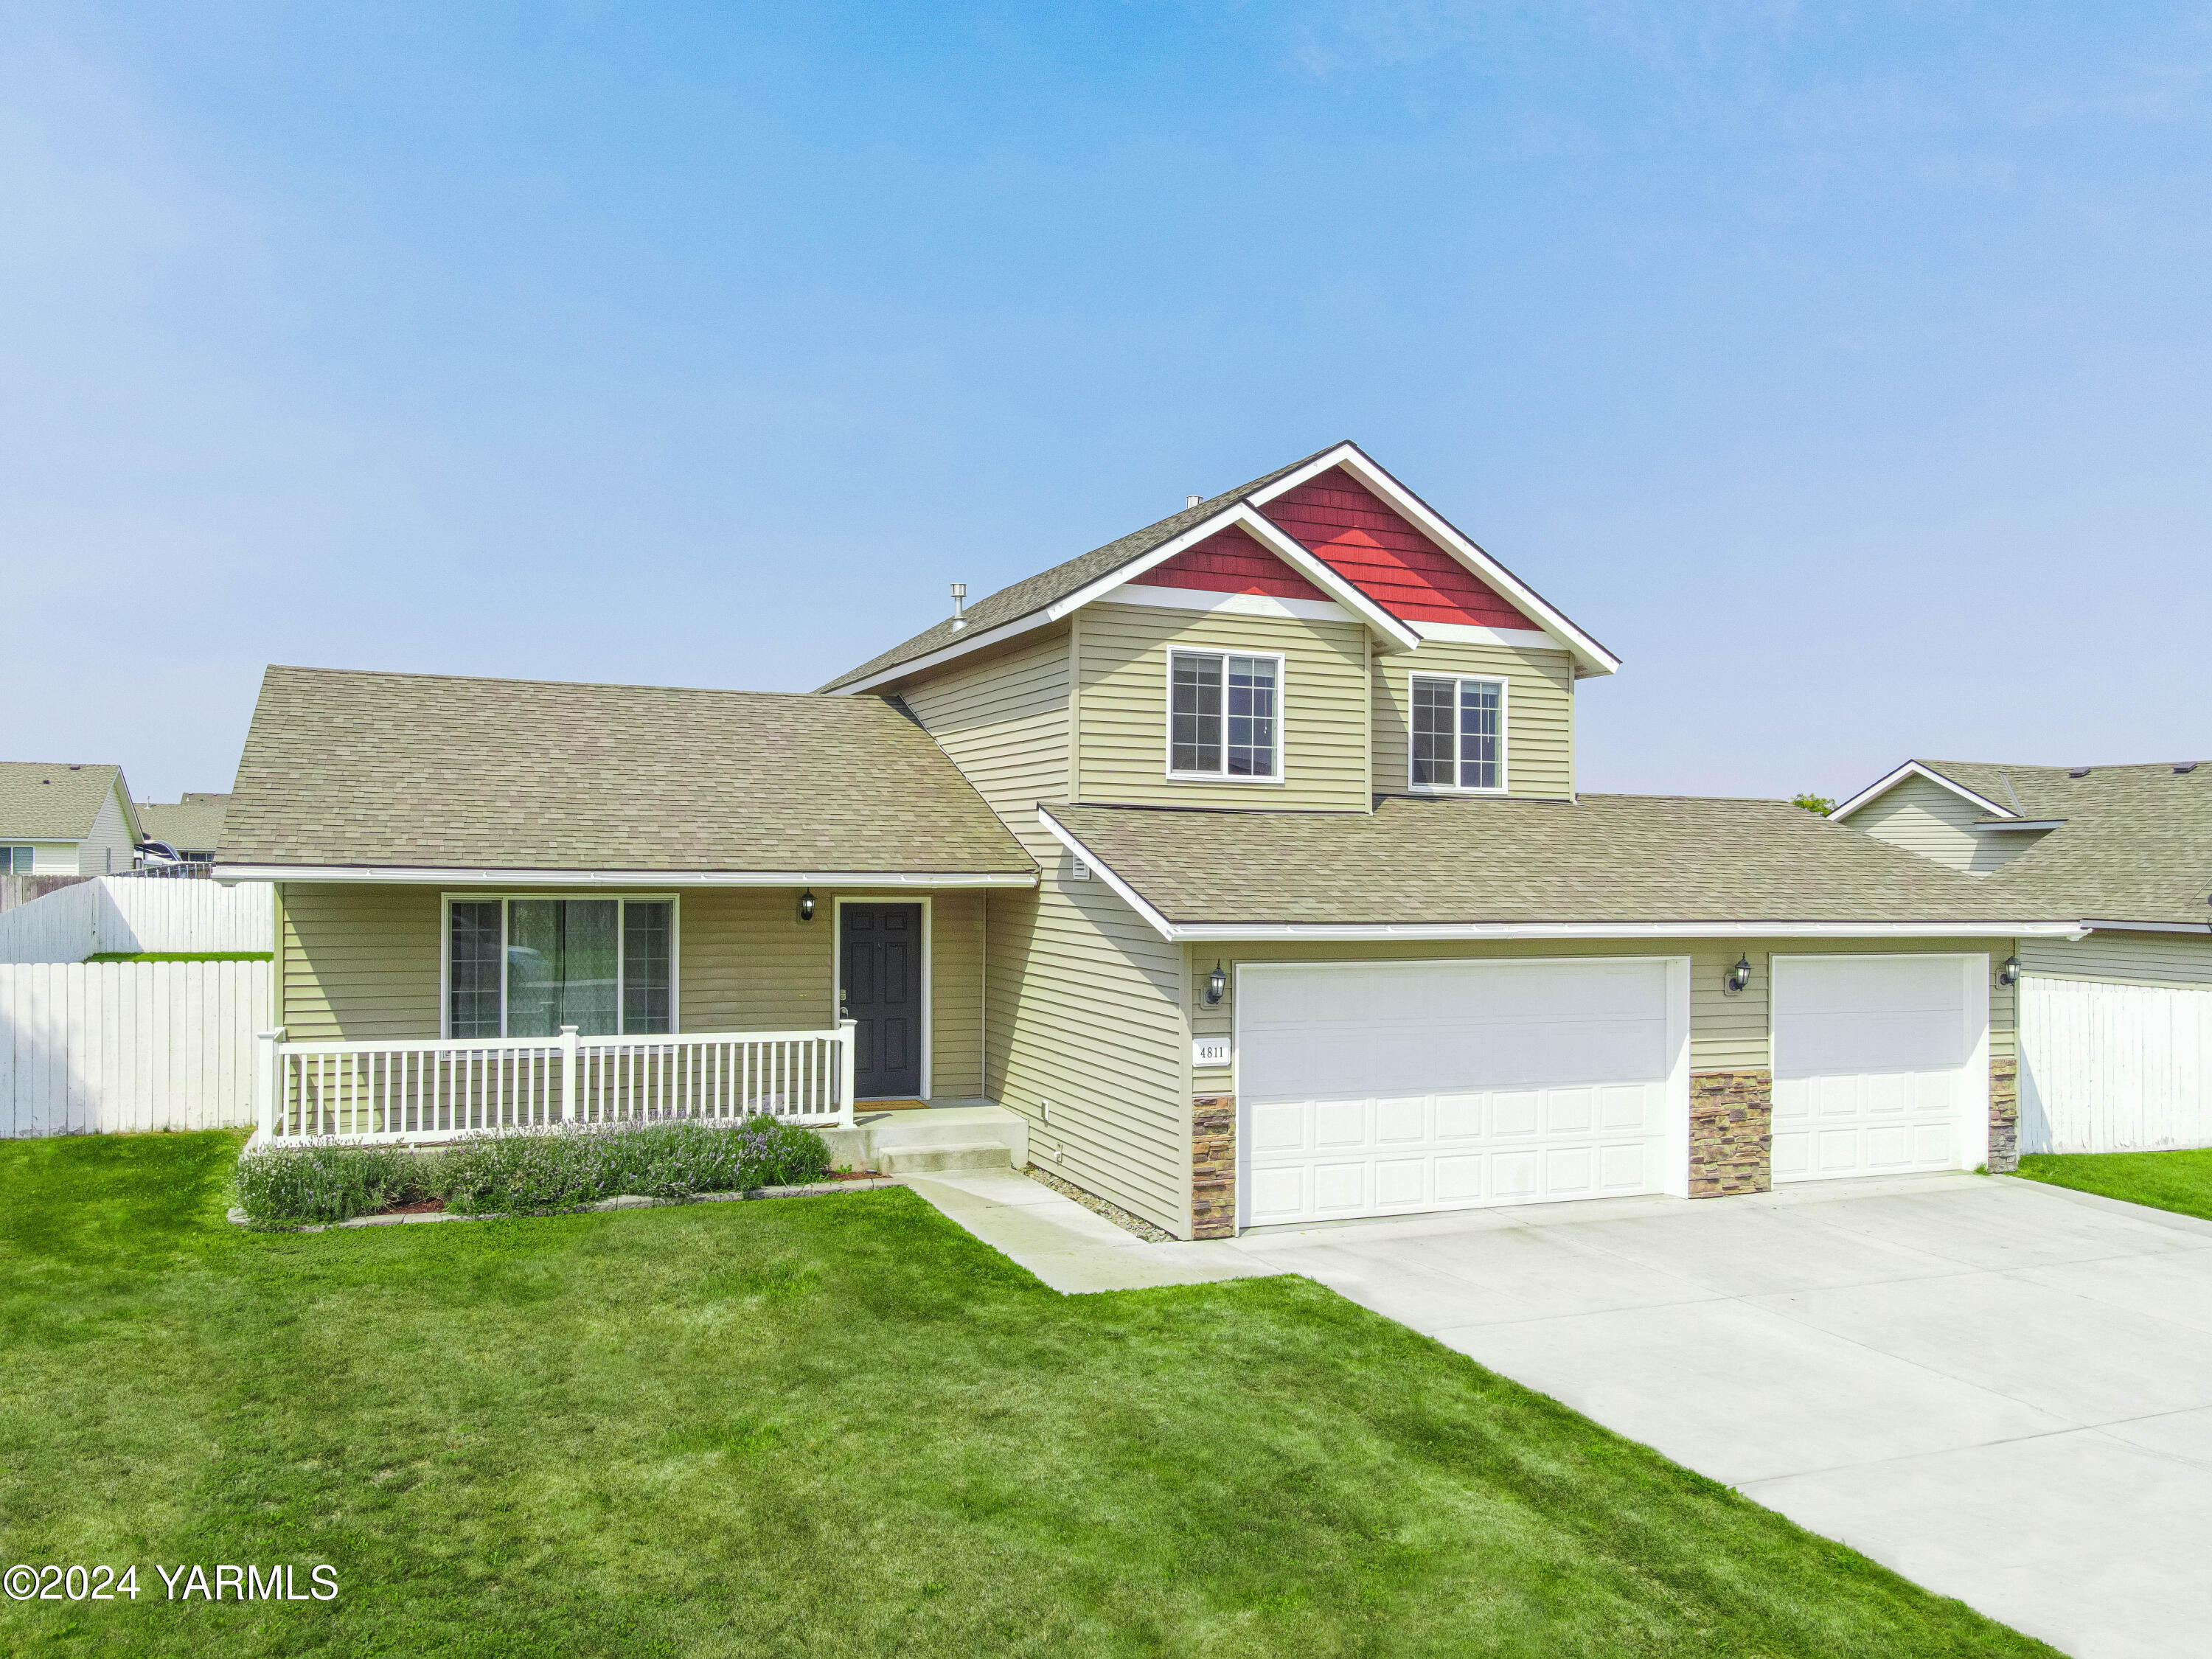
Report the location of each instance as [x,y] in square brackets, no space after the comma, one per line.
[358,964]
[1122,686]
[1924,818]
[362,964]
[1726,1033]
[1082,999]
[2125,959]
[52,857]
[108,848]
[1539,711]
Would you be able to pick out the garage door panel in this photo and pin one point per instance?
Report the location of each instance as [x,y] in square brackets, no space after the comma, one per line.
[1420,1085]
[1871,1057]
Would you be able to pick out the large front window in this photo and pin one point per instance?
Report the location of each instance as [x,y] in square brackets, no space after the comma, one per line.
[1459,734]
[525,967]
[1224,715]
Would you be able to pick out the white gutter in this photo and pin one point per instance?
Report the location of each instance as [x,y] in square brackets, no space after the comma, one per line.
[2152,927]
[1224,932]
[389,875]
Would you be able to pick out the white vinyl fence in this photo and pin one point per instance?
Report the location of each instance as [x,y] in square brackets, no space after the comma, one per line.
[91,1047]
[2113,1068]
[137,913]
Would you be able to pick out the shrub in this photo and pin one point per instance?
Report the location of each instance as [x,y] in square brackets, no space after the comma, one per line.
[323,1181]
[549,1169]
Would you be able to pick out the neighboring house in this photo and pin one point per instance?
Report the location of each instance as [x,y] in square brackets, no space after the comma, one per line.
[192,826]
[65,820]
[2120,1034]
[1247,865]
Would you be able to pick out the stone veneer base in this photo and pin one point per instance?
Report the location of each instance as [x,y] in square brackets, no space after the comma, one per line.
[1213,1166]
[2004,1116]
[1731,1133]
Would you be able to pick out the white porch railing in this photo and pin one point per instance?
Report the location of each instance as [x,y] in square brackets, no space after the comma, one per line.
[437,1090]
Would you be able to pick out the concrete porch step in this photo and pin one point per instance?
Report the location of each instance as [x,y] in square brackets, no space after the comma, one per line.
[986,1136]
[939,1156]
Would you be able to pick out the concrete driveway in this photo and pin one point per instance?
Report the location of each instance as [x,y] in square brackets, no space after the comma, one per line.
[2002,1391]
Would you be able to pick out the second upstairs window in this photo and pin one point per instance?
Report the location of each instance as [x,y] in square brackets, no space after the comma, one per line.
[1224,716]
[1459,733]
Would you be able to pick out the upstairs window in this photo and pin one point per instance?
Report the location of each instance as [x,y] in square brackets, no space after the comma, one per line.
[1224,716]
[525,967]
[1459,734]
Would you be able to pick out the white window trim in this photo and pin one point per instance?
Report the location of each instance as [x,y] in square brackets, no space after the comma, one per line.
[1282,725]
[929,963]
[1505,727]
[446,901]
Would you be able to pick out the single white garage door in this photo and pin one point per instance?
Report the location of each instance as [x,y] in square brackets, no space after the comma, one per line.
[1881,1065]
[1386,1088]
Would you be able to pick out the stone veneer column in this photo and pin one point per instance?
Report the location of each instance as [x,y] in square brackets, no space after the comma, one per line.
[1213,1166]
[1731,1133]
[2004,1116]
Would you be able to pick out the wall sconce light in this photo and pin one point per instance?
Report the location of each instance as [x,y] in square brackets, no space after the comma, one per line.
[806,905]
[1215,983]
[1736,978]
[2009,974]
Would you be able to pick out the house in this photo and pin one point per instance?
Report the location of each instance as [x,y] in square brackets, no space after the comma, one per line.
[65,819]
[2116,1022]
[193,825]
[1239,861]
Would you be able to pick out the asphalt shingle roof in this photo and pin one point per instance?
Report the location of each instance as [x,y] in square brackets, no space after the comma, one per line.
[443,772]
[1033,594]
[2135,845]
[55,802]
[193,825]
[1601,858]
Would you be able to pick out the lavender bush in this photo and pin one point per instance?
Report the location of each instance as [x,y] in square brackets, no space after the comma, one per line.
[559,1169]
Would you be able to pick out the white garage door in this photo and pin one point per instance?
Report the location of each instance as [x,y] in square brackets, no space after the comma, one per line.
[1386,1088]
[1881,1065]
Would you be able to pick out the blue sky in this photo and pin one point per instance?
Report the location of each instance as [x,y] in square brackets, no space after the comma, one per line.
[1845,369]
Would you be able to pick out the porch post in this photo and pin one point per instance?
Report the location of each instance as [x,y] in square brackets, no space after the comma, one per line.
[568,1074]
[265,1080]
[846,1027]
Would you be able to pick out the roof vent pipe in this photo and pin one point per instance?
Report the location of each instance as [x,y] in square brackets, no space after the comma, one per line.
[959,604]
[1190,501]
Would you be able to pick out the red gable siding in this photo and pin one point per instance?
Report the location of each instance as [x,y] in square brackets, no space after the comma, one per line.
[1231,562]
[1363,539]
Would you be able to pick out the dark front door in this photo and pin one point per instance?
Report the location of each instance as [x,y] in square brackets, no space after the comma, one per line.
[880,953]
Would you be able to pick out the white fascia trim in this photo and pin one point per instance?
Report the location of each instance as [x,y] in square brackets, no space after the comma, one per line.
[2148,926]
[1242,515]
[1915,769]
[2024,823]
[1240,604]
[1127,894]
[1539,930]
[944,653]
[395,874]
[1525,639]
[1594,657]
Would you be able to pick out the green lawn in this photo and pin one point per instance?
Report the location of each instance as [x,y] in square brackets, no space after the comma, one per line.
[2181,1182]
[821,1426]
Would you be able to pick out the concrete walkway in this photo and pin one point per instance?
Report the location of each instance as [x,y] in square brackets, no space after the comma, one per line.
[2000,1389]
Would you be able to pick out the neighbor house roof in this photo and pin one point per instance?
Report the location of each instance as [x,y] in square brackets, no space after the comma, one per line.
[371,773]
[42,801]
[193,824]
[1034,599]
[1602,865]
[2133,843]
